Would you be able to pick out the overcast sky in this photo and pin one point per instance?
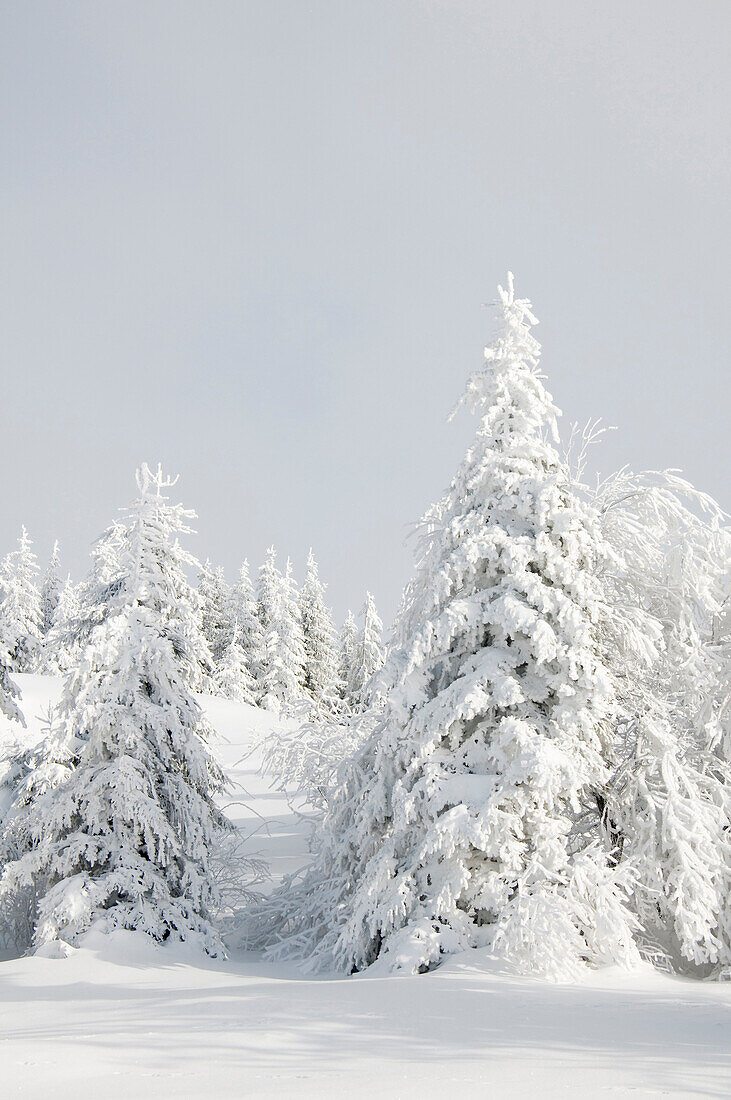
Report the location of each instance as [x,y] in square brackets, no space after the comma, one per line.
[254,240]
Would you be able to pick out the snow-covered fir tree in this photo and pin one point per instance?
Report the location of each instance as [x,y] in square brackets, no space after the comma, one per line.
[20,609]
[346,653]
[216,603]
[9,690]
[61,641]
[291,631]
[667,809]
[206,590]
[84,606]
[453,826]
[320,654]
[719,727]
[268,595]
[27,771]
[124,840]
[367,657]
[245,614]
[231,677]
[282,677]
[50,591]
[50,594]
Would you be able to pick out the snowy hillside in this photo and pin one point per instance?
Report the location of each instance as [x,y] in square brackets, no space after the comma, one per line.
[122,1017]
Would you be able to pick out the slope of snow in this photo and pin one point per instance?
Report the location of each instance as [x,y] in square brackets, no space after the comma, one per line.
[123,1017]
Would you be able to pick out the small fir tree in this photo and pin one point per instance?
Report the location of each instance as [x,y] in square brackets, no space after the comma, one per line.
[250,633]
[50,591]
[232,678]
[367,656]
[346,657]
[282,681]
[320,656]
[9,690]
[20,609]
[124,841]
[216,606]
[61,641]
[50,594]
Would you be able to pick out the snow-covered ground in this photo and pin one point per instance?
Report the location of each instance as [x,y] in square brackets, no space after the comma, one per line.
[122,1017]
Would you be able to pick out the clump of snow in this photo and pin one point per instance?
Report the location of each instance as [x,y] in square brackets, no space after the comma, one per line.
[54,949]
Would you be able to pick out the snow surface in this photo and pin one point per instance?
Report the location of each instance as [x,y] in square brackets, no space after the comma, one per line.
[124,1017]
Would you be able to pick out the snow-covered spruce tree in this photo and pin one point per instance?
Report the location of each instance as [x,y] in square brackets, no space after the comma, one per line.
[290,634]
[28,771]
[282,678]
[320,655]
[269,586]
[244,612]
[84,606]
[20,609]
[124,841]
[269,594]
[305,761]
[719,729]
[50,595]
[216,603]
[206,591]
[50,591]
[231,677]
[9,690]
[60,642]
[667,808]
[452,825]
[346,655]
[367,656]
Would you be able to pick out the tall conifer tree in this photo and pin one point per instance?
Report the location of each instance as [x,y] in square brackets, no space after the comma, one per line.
[124,841]
[346,654]
[367,656]
[320,657]
[282,678]
[454,825]
[250,634]
[20,609]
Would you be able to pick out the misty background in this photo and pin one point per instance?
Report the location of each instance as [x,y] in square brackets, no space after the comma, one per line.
[253,240]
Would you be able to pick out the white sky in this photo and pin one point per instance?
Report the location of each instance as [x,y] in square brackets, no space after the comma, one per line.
[253,240]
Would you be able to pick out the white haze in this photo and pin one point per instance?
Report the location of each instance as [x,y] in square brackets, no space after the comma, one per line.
[253,241]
